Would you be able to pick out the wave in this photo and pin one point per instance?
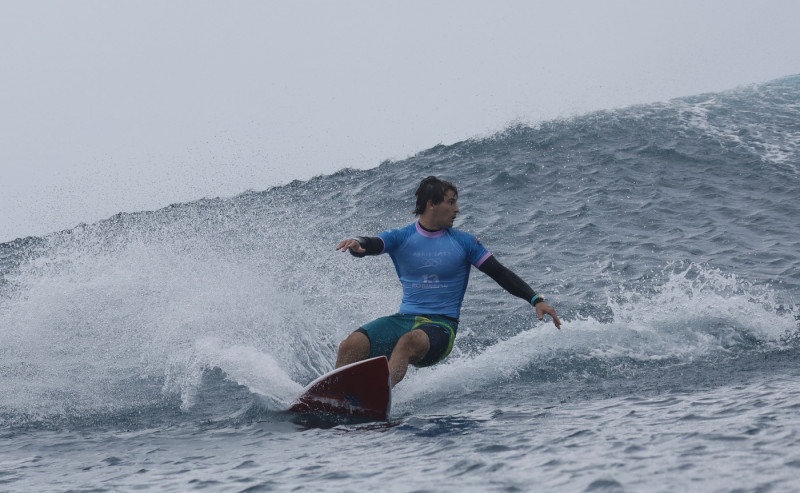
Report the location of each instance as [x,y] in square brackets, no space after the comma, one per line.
[664,234]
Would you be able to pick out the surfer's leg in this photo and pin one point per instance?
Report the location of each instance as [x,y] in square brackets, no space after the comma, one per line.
[354,348]
[411,348]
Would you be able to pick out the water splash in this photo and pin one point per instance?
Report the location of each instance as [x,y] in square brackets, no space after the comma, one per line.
[697,314]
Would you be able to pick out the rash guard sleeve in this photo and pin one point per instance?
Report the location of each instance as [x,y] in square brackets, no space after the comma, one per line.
[507,279]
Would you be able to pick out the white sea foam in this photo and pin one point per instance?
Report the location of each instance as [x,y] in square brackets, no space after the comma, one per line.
[699,312]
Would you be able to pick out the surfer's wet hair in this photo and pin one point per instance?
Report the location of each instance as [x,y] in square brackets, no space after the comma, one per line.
[433,189]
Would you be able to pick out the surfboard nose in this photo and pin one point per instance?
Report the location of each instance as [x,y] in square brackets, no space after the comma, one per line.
[361,389]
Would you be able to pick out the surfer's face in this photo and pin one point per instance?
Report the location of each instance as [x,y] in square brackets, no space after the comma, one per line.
[443,214]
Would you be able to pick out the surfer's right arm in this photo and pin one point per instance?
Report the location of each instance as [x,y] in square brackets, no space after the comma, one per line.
[361,246]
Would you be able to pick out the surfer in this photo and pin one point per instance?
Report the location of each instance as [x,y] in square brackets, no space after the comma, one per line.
[432,260]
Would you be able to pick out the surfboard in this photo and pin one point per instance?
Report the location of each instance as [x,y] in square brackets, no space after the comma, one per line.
[360,390]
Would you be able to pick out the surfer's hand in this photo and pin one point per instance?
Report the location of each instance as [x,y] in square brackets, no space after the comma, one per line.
[350,244]
[544,308]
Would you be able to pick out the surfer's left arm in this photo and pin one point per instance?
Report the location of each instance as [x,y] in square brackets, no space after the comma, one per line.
[512,283]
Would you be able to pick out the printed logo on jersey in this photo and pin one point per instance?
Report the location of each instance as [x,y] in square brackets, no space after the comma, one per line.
[429,281]
[432,254]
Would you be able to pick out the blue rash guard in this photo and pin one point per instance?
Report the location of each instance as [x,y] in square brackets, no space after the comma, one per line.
[433,267]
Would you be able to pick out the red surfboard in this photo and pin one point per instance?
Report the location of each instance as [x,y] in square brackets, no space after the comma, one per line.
[360,390]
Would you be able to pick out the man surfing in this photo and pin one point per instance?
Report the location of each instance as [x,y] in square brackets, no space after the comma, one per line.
[433,261]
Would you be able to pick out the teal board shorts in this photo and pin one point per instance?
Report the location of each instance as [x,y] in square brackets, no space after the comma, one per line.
[384,332]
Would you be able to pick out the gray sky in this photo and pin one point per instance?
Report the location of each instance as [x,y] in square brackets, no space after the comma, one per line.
[112,106]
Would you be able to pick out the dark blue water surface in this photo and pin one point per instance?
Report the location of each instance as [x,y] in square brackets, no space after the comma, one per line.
[156,350]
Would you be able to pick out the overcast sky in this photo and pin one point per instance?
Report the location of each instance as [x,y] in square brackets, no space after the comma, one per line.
[120,106]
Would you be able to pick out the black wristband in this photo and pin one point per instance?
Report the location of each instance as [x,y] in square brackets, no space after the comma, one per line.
[372,244]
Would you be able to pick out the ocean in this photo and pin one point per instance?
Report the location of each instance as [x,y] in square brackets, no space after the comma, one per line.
[157,350]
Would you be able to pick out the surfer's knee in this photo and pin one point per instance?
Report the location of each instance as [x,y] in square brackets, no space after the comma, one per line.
[413,345]
[354,348]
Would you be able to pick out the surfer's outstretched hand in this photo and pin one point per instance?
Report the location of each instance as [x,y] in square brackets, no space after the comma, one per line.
[543,309]
[350,244]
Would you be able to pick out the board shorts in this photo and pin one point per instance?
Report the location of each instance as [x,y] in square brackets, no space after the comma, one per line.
[384,332]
